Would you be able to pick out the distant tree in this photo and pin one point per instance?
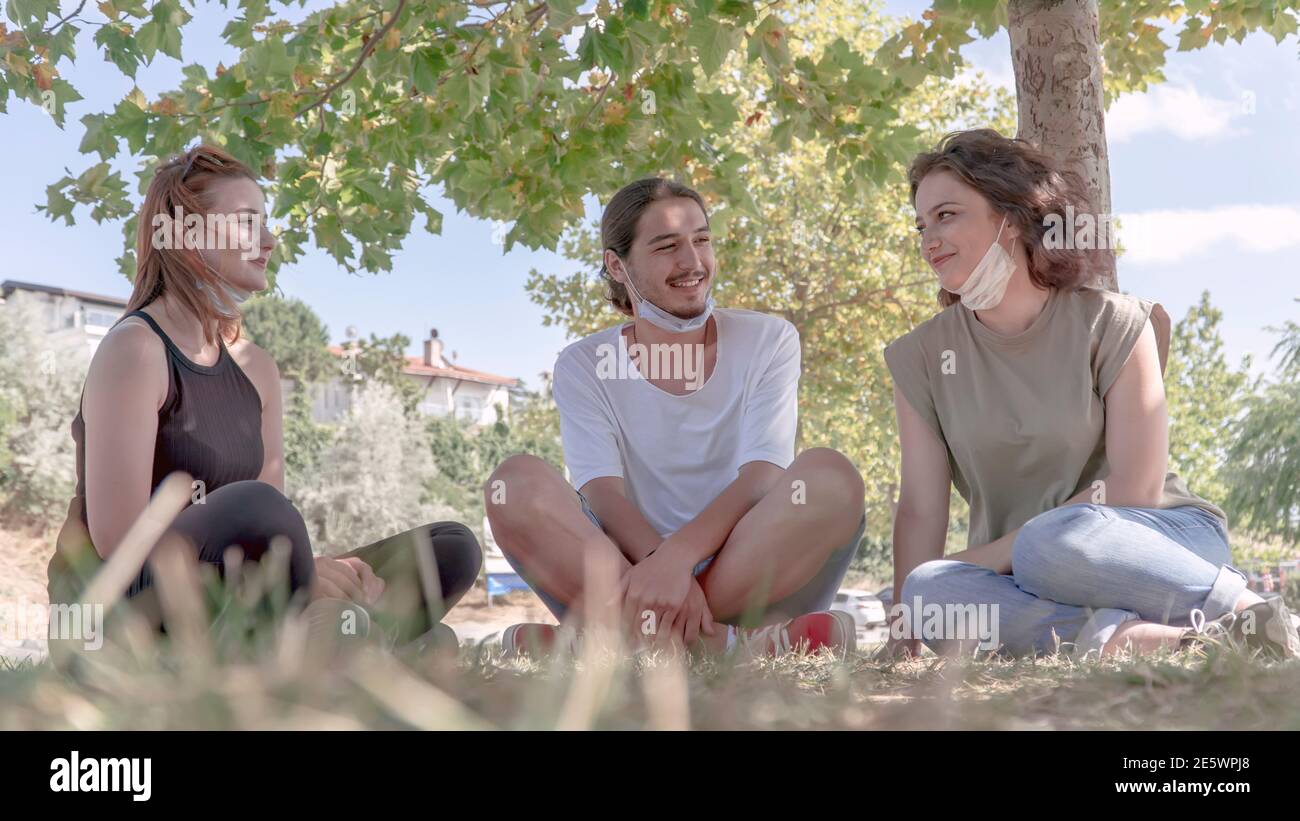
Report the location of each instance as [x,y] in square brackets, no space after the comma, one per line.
[41,376]
[1263,461]
[465,456]
[291,332]
[383,359]
[1204,394]
[293,335]
[371,480]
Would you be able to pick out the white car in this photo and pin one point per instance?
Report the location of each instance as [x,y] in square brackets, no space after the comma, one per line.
[866,608]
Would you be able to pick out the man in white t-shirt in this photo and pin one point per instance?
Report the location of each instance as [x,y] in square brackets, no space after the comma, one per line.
[679,431]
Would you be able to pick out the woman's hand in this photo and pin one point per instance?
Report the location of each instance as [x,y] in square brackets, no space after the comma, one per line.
[349,578]
[996,555]
[899,644]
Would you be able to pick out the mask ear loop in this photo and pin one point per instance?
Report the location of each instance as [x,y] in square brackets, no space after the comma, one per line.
[636,294]
[221,281]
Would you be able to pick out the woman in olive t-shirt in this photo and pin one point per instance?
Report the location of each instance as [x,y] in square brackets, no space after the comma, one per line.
[1042,400]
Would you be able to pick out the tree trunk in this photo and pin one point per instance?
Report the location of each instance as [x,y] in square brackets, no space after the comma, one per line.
[1056,54]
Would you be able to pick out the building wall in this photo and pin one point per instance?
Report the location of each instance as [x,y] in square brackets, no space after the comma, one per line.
[71,314]
[472,401]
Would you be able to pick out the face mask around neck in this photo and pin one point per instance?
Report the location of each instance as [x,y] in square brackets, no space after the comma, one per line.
[660,318]
[234,294]
[988,281]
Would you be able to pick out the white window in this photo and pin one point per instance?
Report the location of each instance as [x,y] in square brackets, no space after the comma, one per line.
[103,319]
[469,407]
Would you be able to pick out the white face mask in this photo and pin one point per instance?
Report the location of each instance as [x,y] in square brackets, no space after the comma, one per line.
[660,318]
[234,294]
[987,283]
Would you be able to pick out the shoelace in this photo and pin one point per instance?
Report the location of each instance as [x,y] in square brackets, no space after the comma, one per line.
[777,634]
[1220,626]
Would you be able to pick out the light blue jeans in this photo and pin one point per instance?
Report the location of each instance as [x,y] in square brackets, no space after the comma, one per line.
[1080,571]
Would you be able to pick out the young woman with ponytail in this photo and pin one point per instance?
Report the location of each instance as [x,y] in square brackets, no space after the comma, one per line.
[175,387]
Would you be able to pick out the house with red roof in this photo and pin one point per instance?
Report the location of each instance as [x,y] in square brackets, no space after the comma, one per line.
[446,388]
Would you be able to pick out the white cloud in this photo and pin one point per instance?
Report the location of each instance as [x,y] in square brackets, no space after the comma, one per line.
[1172,236]
[996,74]
[1179,110]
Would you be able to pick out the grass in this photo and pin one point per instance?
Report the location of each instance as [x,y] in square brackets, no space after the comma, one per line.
[375,688]
[253,671]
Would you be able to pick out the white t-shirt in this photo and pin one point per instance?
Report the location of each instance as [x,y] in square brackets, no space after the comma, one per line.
[675,454]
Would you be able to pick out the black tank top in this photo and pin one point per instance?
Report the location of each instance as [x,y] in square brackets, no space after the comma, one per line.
[210,426]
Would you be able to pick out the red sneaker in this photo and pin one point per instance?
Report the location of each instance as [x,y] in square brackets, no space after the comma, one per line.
[808,633]
[536,640]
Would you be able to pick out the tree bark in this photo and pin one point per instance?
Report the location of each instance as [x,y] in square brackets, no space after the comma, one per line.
[1056,54]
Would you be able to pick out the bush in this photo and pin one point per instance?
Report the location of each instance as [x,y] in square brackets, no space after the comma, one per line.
[41,376]
[370,480]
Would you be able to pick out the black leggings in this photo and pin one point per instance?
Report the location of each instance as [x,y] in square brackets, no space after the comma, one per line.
[249,514]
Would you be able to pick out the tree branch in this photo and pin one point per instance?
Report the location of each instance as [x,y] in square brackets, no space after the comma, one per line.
[63,20]
[365,52]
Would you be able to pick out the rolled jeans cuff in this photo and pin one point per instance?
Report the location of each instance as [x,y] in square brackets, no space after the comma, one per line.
[1227,588]
[1098,629]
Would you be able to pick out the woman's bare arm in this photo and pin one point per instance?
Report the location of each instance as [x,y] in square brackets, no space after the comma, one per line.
[921,523]
[262,371]
[125,387]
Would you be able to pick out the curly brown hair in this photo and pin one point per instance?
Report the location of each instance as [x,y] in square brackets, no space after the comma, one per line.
[1027,186]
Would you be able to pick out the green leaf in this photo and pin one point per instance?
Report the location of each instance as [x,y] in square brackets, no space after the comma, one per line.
[427,64]
[601,50]
[131,123]
[562,15]
[712,42]
[769,42]
[99,136]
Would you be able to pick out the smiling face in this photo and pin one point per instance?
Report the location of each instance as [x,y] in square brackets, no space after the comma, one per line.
[671,258]
[241,198]
[957,226]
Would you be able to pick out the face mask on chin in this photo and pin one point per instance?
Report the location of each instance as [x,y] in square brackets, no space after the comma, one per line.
[233,294]
[988,281]
[660,318]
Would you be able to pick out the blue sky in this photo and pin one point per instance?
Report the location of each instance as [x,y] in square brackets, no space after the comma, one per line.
[1204,173]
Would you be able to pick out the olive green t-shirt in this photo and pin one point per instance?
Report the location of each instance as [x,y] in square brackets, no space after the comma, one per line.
[1023,416]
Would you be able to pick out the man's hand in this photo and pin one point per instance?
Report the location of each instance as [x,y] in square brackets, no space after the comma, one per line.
[349,578]
[695,618]
[659,584]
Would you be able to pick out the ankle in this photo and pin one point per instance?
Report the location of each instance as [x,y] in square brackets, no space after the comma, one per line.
[1246,599]
[1142,636]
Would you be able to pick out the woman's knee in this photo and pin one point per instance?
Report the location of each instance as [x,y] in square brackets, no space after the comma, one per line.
[1052,540]
[931,579]
[270,511]
[458,555]
[262,516]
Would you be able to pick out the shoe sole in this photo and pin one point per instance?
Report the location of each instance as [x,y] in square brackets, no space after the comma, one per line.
[849,629]
[1279,636]
[508,640]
